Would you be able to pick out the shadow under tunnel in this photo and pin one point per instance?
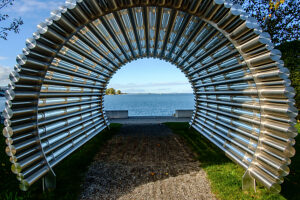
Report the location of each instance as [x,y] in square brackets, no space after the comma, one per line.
[146,162]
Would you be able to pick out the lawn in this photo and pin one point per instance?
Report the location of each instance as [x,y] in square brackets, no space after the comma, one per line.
[226,177]
[70,172]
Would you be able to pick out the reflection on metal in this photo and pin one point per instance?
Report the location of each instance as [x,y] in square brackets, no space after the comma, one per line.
[248,182]
[49,182]
[244,102]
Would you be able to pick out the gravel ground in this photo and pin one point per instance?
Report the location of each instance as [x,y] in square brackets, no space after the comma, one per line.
[145,162]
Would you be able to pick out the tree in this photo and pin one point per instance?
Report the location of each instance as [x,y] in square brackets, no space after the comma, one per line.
[110,91]
[280,18]
[13,25]
[291,57]
[118,91]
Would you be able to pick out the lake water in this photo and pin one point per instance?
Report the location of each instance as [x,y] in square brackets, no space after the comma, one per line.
[149,104]
[144,104]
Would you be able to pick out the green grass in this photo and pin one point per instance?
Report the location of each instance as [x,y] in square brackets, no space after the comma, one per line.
[70,172]
[226,177]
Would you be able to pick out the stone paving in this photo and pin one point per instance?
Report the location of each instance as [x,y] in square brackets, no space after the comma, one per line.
[146,161]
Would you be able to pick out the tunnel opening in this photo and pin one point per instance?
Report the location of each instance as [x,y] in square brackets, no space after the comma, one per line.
[149,87]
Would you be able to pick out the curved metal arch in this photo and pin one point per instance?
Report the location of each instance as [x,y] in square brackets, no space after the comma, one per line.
[244,102]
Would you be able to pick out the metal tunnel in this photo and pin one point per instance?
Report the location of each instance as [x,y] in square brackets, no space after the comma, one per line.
[244,101]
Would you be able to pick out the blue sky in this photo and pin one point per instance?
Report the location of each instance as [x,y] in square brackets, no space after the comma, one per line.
[140,76]
[150,75]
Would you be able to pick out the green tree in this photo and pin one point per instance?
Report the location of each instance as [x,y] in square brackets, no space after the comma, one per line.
[279,18]
[291,57]
[13,25]
[118,91]
[110,91]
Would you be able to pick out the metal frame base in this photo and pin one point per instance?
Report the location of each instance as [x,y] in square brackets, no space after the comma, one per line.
[248,182]
[49,182]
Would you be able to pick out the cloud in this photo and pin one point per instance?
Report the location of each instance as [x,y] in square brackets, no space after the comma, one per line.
[130,85]
[22,7]
[166,87]
[3,58]
[134,90]
[4,73]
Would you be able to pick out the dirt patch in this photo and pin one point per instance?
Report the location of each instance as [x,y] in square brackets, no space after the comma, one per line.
[146,162]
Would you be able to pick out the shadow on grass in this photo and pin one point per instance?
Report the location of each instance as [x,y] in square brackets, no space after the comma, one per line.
[205,151]
[291,185]
[226,177]
[70,172]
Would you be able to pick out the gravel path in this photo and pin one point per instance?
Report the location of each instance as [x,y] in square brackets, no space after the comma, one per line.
[145,162]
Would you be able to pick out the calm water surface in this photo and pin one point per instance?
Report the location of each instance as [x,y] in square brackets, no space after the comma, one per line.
[149,104]
[144,104]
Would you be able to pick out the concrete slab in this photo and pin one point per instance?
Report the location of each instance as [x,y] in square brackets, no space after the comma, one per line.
[117,114]
[183,113]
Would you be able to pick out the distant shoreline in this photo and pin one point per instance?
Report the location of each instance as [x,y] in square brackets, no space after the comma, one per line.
[158,93]
[129,94]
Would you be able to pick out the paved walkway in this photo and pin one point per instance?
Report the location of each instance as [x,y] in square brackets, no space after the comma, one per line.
[149,120]
[145,161]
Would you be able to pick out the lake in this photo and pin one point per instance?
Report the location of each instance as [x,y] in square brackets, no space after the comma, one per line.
[144,104]
[149,104]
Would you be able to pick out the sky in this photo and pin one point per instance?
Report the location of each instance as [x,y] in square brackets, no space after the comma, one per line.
[140,76]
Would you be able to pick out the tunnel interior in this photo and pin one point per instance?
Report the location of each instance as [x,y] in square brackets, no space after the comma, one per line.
[244,101]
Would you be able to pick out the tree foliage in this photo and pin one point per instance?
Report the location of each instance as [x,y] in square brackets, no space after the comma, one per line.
[12,25]
[291,57]
[280,18]
[110,91]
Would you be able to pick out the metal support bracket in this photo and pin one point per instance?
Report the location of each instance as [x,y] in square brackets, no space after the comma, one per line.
[49,182]
[248,182]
